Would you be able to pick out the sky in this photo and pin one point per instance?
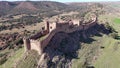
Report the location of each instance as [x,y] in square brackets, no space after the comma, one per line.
[66,0]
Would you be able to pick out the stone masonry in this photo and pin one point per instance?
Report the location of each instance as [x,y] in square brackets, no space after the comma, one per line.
[51,29]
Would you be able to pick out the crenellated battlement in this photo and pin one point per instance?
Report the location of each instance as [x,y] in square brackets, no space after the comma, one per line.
[51,29]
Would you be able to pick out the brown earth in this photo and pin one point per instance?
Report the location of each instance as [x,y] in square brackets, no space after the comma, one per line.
[26,5]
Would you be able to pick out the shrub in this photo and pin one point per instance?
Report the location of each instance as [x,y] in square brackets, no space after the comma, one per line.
[114,35]
[110,28]
[3,60]
[18,41]
[1,55]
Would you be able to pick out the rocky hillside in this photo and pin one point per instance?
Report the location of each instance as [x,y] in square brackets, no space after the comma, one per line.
[25,5]
[30,7]
[60,52]
[109,7]
[112,7]
[6,6]
[53,7]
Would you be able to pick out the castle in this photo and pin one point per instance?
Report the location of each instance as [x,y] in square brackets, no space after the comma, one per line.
[49,31]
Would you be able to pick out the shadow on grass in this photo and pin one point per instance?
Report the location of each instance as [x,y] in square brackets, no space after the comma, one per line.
[99,35]
[118,38]
[88,40]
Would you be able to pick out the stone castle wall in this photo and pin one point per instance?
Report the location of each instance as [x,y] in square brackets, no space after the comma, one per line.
[27,45]
[53,28]
[36,45]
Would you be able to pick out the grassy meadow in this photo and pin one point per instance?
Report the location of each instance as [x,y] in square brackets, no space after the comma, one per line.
[13,58]
[109,57]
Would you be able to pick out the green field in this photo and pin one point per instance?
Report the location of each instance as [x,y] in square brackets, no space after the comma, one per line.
[117,20]
[18,60]
[29,60]
[14,58]
[109,57]
[87,51]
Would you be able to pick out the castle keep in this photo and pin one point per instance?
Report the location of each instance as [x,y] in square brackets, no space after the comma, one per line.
[40,40]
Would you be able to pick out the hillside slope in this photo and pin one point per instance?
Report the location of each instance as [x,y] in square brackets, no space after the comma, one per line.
[30,7]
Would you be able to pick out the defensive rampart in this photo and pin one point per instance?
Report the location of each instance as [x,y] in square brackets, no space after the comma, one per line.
[52,29]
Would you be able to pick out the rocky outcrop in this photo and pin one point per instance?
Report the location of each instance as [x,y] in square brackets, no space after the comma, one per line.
[63,47]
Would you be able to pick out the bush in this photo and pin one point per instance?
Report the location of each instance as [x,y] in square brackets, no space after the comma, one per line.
[1,55]
[110,28]
[114,35]
[11,45]
[18,41]
[3,60]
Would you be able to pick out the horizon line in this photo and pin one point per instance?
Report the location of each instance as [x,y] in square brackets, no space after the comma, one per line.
[55,1]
